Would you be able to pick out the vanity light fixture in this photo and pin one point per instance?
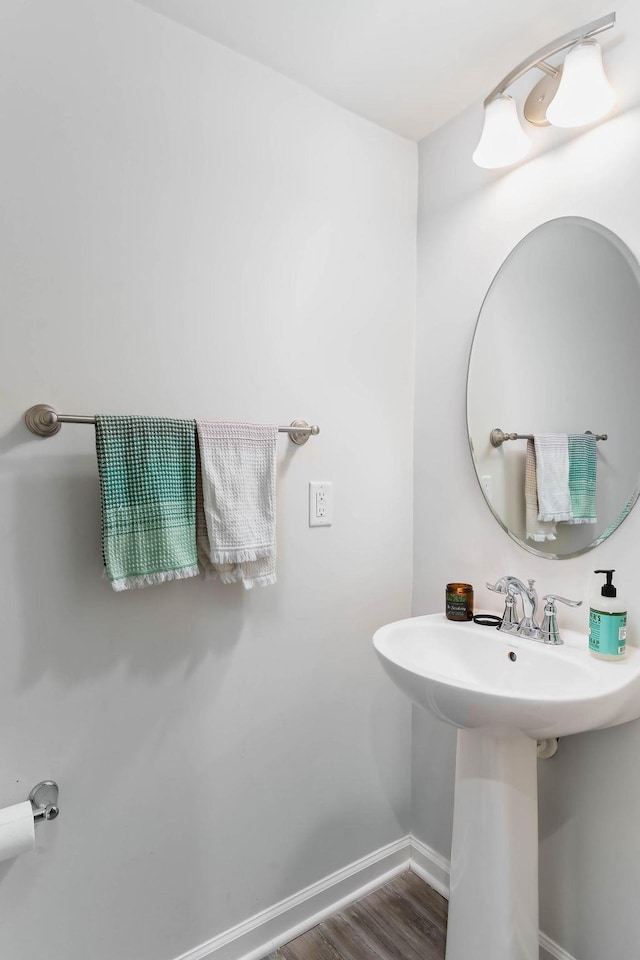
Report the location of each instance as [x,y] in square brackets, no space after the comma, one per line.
[570,95]
[584,95]
[503,140]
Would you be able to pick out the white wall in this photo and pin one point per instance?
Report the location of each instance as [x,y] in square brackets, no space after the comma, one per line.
[186,233]
[469,220]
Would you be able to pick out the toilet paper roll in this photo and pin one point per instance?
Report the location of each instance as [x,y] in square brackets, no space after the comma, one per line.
[17,830]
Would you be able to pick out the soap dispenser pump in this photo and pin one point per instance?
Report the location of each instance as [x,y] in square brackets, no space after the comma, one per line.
[607,622]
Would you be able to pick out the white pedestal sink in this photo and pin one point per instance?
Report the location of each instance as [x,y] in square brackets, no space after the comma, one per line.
[503,693]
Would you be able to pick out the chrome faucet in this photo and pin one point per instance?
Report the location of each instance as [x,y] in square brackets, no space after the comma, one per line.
[526,625]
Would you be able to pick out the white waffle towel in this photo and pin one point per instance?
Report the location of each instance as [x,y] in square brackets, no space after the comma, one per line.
[237,537]
[536,529]
[552,467]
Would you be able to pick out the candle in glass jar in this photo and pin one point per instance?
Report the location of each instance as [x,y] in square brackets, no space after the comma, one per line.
[459,601]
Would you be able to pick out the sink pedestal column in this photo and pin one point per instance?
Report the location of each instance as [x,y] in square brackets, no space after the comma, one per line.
[493,905]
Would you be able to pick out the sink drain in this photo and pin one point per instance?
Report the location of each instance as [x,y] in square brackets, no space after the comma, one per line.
[513,656]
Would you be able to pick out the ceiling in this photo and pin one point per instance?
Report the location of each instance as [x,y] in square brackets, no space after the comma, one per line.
[407,65]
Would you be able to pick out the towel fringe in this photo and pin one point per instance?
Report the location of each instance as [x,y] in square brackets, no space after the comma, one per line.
[151,579]
[559,517]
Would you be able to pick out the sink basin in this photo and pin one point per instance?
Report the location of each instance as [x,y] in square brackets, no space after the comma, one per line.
[503,693]
[477,677]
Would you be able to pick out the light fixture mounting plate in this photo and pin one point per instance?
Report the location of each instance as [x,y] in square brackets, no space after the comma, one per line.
[535,107]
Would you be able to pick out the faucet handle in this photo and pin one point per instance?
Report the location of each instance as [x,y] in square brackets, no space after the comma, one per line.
[555,599]
[498,586]
[502,584]
[549,632]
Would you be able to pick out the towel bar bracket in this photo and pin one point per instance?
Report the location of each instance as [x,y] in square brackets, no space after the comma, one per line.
[301,432]
[498,437]
[43,420]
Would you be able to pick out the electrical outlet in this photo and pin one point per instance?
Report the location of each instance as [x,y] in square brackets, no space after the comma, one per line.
[320,503]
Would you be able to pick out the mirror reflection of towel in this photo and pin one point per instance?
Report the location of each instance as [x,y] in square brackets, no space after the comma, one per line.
[537,530]
[583,460]
[552,465]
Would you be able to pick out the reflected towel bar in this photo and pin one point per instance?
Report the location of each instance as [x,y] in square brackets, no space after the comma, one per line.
[44,421]
[498,436]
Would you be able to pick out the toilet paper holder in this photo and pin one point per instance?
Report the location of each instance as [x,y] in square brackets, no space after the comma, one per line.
[44,801]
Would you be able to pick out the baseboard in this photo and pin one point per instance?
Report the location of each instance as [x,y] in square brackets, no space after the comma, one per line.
[270,929]
[549,948]
[266,931]
[433,868]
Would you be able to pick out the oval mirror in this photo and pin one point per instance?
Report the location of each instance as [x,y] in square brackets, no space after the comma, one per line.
[556,351]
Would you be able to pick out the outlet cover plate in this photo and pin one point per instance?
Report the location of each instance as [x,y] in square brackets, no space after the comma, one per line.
[320,503]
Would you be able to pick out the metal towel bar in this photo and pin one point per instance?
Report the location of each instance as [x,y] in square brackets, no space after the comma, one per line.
[43,420]
[498,436]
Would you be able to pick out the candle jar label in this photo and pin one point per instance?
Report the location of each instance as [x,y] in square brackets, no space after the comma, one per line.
[459,601]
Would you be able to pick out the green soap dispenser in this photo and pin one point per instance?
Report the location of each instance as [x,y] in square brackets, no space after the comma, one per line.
[607,622]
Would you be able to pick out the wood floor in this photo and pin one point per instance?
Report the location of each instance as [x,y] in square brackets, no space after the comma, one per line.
[404,920]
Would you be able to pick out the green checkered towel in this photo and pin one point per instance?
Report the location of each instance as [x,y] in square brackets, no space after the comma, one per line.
[583,460]
[147,468]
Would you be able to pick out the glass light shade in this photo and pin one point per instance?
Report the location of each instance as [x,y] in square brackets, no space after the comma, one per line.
[584,95]
[503,140]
